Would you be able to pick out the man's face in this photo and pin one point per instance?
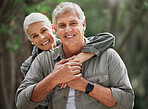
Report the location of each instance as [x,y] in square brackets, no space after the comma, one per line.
[41,35]
[70,30]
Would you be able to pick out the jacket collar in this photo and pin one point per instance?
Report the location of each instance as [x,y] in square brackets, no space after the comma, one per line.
[59,53]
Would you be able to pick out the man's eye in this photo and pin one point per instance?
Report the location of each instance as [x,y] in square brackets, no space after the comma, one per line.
[61,26]
[73,24]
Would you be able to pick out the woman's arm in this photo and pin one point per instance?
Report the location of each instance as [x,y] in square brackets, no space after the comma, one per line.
[26,65]
[97,45]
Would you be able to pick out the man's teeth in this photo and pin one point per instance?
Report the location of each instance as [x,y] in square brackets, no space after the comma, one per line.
[69,36]
[45,42]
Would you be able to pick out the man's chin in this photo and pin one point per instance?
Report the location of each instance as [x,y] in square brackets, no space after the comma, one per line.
[70,44]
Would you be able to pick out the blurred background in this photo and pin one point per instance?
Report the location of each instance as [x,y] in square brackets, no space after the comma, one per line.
[127,20]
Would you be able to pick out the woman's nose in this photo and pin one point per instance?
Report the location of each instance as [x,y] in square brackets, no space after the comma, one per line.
[42,36]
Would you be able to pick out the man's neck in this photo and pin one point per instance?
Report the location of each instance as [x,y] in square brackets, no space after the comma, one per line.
[71,51]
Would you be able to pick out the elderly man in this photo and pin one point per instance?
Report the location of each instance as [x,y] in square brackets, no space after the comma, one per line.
[101,83]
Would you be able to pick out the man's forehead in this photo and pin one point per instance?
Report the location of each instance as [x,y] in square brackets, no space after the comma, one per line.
[69,19]
[67,13]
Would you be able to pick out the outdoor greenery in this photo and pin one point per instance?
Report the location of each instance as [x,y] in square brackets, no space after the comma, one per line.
[125,19]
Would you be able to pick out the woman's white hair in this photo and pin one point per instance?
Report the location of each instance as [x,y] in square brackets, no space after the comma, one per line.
[35,17]
[66,6]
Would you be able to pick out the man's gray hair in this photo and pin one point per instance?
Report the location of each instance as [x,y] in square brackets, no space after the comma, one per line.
[63,7]
[35,17]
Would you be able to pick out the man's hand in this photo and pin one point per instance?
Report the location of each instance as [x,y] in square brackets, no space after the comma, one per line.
[78,84]
[65,71]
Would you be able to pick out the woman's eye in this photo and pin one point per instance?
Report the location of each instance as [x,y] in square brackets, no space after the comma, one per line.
[44,30]
[34,36]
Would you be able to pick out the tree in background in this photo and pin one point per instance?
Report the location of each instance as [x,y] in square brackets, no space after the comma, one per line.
[8,45]
[127,20]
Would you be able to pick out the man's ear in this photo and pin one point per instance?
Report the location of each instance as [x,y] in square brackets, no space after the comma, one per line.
[56,32]
[53,28]
[84,25]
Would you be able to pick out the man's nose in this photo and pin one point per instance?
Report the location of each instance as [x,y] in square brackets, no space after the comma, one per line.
[67,29]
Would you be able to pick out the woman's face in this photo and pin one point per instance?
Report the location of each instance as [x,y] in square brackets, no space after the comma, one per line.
[41,35]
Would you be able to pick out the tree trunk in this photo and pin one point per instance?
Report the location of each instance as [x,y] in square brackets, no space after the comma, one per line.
[131,29]
[7,73]
[7,58]
[1,70]
[114,16]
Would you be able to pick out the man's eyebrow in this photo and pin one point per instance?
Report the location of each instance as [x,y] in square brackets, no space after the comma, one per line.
[72,20]
[60,23]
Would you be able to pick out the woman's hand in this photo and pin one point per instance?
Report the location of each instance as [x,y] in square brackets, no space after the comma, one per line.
[82,57]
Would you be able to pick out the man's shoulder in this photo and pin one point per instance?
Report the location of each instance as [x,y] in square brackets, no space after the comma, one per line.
[43,56]
[50,53]
[109,52]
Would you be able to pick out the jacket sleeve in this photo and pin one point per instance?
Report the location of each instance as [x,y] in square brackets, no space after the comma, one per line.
[120,84]
[24,91]
[99,43]
[26,65]
[58,41]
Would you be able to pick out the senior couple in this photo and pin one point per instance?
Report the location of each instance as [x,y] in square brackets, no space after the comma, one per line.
[73,72]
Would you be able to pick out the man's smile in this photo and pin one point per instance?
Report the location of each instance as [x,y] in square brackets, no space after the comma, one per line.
[69,36]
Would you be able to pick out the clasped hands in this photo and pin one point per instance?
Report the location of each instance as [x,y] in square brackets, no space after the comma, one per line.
[67,72]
